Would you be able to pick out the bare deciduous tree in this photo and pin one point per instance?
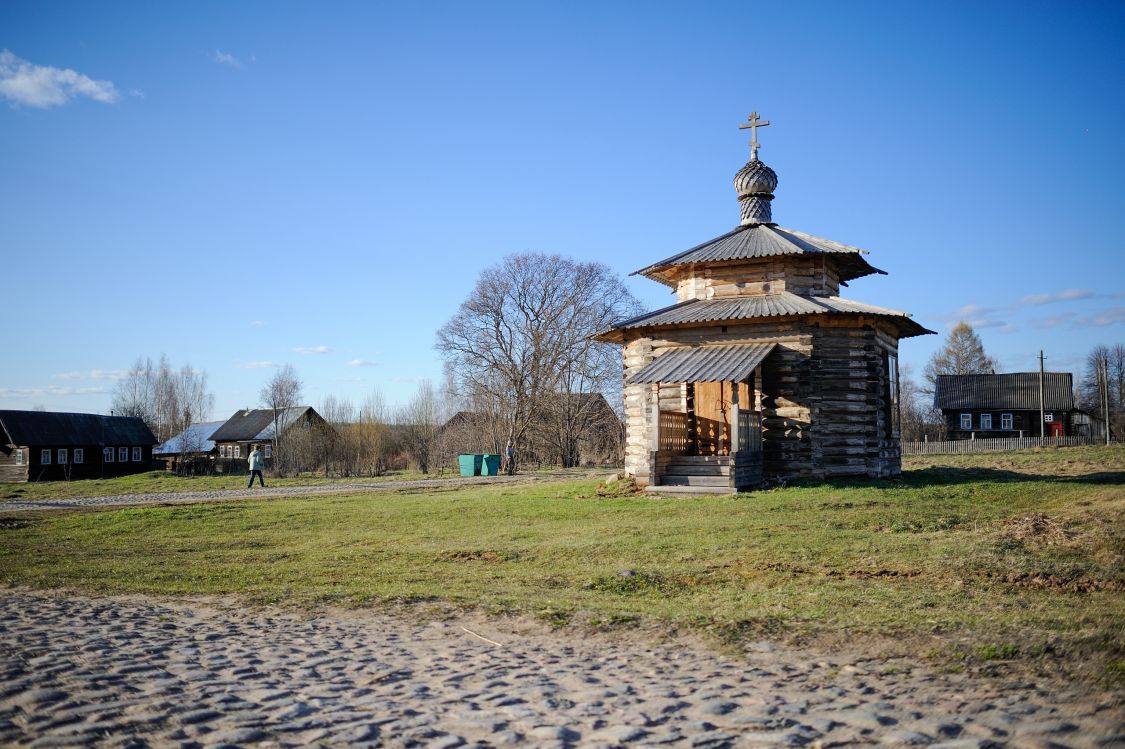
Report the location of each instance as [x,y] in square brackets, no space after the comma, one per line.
[1093,386]
[523,336]
[282,391]
[420,422]
[168,400]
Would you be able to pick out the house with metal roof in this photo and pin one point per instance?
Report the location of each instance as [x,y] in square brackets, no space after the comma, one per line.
[981,406]
[49,446]
[193,444]
[248,427]
[761,368]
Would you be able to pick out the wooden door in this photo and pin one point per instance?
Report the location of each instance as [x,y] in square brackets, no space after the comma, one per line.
[1056,428]
[713,410]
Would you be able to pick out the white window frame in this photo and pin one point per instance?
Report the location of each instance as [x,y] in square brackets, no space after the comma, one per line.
[1048,417]
[137,455]
[122,455]
[63,456]
[1007,422]
[79,455]
[19,456]
[238,451]
[45,456]
[986,422]
[966,421]
[268,450]
[108,454]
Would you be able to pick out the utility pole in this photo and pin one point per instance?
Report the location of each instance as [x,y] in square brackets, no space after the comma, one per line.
[1105,395]
[1042,415]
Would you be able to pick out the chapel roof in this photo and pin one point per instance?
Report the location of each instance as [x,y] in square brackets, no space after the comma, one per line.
[751,241]
[778,304]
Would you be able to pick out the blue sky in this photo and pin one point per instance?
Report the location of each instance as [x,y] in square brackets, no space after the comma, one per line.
[242,185]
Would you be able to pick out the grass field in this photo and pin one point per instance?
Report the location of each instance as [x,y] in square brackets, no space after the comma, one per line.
[1001,556]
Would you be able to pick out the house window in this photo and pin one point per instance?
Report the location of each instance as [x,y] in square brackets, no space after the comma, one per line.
[45,457]
[136,455]
[269,451]
[79,455]
[19,457]
[1048,417]
[986,421]
[62,456]
[238,451]
[966,421]
[107,454]
[122,455]
[222,451]
[1006,421]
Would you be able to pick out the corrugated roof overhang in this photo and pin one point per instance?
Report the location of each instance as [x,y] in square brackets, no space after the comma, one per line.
[731,363]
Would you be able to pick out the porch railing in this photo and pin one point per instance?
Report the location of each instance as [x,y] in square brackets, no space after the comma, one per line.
[749,431]
[673,431]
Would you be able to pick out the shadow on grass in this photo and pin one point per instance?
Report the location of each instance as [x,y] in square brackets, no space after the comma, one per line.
[949,476]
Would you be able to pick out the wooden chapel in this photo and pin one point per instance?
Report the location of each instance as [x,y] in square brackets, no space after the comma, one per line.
[761,370]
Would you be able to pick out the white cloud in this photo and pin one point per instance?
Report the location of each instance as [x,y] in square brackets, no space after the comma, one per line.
[362,363]
[1052,321]
[258,365]
[306,350]
[22,82]
[226,58]
[1067,295]
[94,374]
[1106,317]
[257,323]
[35,392]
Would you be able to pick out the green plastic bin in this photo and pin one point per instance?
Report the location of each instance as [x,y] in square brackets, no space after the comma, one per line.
[470,465]
[490,465]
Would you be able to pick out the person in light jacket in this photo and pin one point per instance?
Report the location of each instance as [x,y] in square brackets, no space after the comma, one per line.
[256,463]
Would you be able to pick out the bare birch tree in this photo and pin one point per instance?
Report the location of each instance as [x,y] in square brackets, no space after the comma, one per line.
[523,335]
[281,392]
[168,400]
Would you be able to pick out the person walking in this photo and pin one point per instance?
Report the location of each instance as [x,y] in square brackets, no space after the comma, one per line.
[256,462]
[510,454]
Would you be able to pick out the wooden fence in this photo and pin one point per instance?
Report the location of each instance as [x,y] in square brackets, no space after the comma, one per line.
[673,431]
[954,447]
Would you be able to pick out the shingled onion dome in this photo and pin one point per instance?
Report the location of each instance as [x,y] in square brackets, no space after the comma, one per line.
[755,184]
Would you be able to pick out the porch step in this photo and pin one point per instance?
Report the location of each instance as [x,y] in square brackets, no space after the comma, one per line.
[696,469]
[674,479]
[702,460]
[687,490]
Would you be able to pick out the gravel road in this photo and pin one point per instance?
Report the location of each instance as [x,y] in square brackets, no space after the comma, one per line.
[135,672]
[219,495]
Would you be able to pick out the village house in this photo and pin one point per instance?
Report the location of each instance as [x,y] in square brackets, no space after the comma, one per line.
[981,406]
[193,447]
[760,369]
[248,427]
[47,446]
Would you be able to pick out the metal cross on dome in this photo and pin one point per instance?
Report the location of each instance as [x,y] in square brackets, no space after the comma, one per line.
[754,123]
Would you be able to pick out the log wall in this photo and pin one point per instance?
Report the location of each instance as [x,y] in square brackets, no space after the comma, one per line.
[809,276]
[823,396]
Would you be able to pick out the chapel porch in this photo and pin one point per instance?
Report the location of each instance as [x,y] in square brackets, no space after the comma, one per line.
[703,421]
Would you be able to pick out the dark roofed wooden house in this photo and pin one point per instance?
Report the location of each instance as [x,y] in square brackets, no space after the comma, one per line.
[255,426]
[47,446]
[1006,405]
[761,367]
